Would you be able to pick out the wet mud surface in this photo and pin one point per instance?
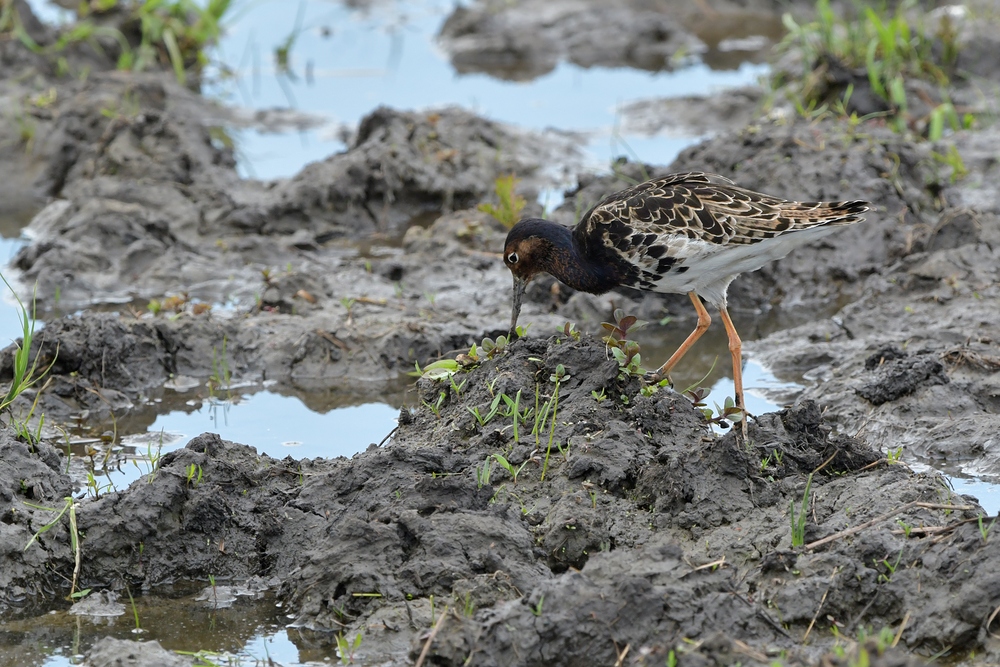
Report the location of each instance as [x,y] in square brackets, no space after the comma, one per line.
[640,531]
[646,529]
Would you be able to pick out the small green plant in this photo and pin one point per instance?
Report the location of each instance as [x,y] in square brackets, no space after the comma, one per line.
[984,530]
[135,612]
[483,420]
[221,376]
[799,521]
[625,351]
[215,591]
[469,608]
[69,507]
[348,304]
[508,212]
[569,330]
[346,650]
[492,348]
[599,396]
[484,472]
[152,460]
[536,608]
[173,33]
[894,455]
[514,410]
[905,526]
[456,387]
[953,160]
[437,370]
[510,468]
[724,415]
[557,377]
[24,373]
[890,569]
[193,474]
[888,48]
[436,407]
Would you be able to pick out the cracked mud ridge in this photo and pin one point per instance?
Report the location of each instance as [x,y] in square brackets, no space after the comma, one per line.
[539,506]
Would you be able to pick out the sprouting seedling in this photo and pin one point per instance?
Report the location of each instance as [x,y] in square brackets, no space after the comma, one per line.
[618,330]
[346,650]
[457,387]
[469,608]
[135,611]
[436,407]
[536,609]
[625,351]
[599,396]
[492,348]
[484,472]
[510,468]
[510,204]
[193,474]
[569,330]
[494,408]
[799,521]
[24,375]
[723,416]
[513,410]
[984,530]
[348,304]
[890,567]
[557,377]
[438,370]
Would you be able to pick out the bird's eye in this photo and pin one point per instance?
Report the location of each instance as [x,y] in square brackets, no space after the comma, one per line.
[512,258]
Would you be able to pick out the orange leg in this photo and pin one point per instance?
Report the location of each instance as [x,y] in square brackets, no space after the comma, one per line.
[735,349]
[704,320]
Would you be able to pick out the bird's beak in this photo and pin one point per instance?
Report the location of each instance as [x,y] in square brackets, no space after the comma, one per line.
[519,286]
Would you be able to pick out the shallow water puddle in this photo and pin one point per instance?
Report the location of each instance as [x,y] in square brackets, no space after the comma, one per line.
[273,424]
[249,630]
[344,62]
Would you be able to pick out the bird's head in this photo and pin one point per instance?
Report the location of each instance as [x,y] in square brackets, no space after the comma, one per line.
[528,252]
[527,248]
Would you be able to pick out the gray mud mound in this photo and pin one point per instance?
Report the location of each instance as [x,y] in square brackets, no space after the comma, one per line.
[526,39]
[914,363]
[110,652]
[150,203]
[646,529]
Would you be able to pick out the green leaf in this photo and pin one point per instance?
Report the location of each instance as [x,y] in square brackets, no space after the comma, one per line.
[176,59]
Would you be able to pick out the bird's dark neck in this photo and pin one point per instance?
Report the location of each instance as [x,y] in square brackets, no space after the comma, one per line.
[569,263]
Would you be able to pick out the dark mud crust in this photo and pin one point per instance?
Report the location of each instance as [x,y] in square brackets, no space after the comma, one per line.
[605,553]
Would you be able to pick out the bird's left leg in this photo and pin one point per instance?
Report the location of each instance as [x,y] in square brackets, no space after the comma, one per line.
[736,350]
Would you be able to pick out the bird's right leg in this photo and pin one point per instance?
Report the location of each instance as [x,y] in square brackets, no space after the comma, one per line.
[704,320]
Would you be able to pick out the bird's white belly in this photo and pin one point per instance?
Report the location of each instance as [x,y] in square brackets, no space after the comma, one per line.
[711,267]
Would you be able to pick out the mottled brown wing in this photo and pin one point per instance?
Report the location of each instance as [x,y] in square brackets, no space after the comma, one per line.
[655,226]
[706,207]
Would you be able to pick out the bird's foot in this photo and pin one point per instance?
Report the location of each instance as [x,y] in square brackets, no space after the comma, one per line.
[658,378]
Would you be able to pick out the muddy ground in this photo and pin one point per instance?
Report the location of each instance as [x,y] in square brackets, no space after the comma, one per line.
[649,532]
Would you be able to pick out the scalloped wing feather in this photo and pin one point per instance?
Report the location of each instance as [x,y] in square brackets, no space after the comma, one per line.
[668,224]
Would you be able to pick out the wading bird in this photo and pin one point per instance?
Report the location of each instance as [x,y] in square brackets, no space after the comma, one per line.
[688,233]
